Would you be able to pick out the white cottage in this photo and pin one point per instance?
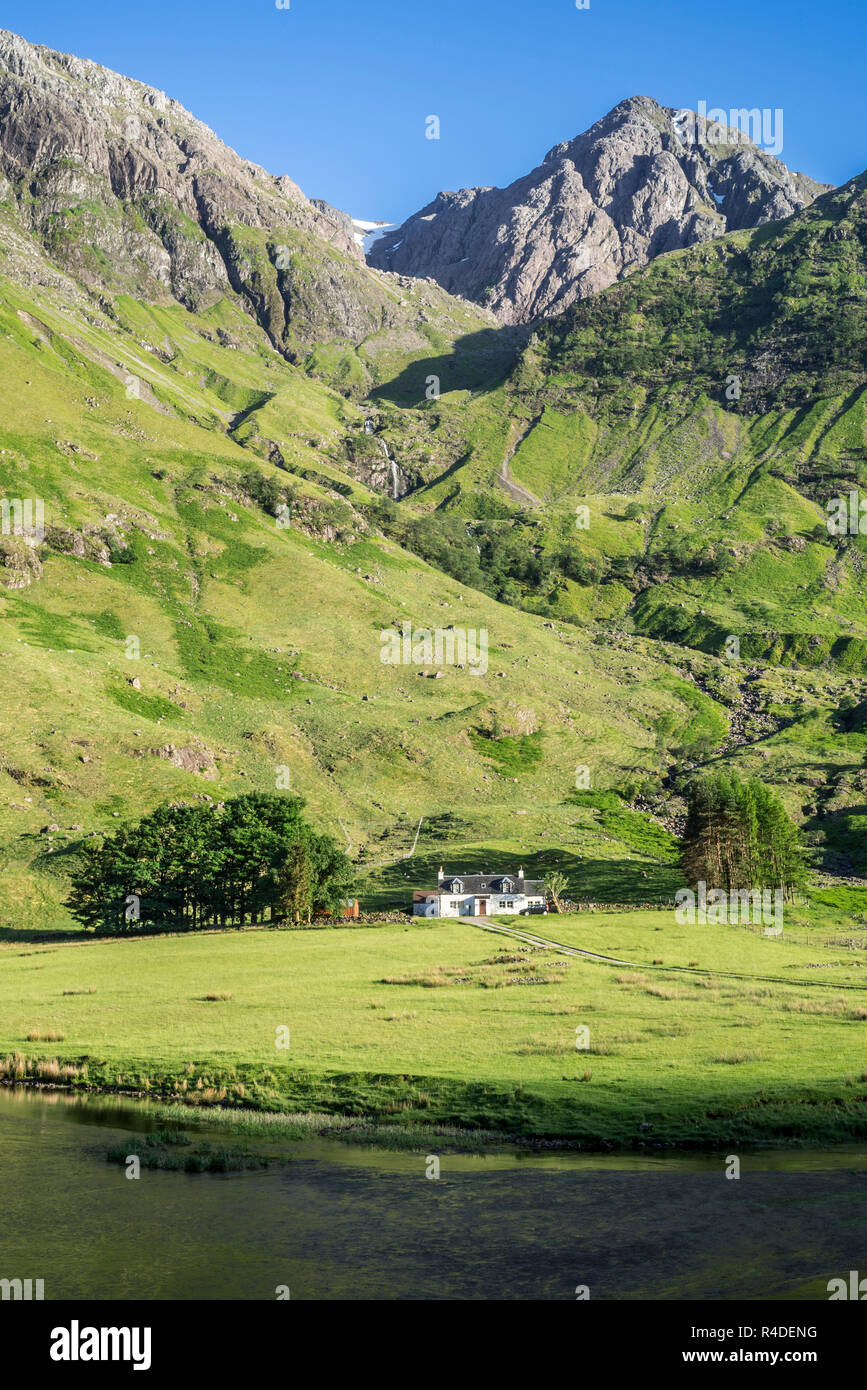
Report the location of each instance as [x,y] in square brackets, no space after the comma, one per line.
[479,895]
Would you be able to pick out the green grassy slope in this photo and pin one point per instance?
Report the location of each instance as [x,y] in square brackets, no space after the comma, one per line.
[682,435]
[259,645]
[707,510]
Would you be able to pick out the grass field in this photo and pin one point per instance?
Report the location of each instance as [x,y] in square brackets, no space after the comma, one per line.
[754,1041]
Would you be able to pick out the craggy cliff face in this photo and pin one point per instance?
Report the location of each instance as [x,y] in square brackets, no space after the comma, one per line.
[638,183]
[128,191]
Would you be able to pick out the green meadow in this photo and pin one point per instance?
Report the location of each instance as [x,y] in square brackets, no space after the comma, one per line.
[714,1036]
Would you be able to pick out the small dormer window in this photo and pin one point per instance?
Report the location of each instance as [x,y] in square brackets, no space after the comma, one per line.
[507,885]
[457,885]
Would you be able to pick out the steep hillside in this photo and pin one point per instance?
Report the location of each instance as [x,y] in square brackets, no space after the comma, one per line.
[169,636]
[664,461]
[644,180]
[705,411]
[724,387]
[130,194]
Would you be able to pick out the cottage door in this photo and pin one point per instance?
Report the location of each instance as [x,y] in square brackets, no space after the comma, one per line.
[483,907]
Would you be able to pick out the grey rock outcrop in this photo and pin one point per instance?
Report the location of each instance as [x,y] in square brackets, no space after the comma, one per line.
[637,184]
[127,191]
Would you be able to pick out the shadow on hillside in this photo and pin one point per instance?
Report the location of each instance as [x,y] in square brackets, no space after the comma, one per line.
[43,936]
[53,864]
[445,475]
[477,362]
[625,881]
[842,847]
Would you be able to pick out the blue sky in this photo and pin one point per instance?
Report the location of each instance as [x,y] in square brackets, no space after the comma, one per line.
[335,92]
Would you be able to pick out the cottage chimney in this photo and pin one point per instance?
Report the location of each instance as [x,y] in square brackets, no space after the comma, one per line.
[521,872]
[440,874]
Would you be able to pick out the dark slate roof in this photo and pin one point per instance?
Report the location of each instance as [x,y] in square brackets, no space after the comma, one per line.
[493,883]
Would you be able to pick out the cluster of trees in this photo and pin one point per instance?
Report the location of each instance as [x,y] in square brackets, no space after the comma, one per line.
[515,562]
[500,560]
[683,555]
[250,859]
[268,492]
[739,836]
[512,559]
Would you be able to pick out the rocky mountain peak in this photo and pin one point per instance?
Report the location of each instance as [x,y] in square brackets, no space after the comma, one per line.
[643,180]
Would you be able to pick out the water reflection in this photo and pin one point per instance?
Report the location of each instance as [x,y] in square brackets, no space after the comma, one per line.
[340,1221]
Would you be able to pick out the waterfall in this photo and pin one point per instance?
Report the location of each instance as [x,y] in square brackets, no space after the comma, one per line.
[394,478]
